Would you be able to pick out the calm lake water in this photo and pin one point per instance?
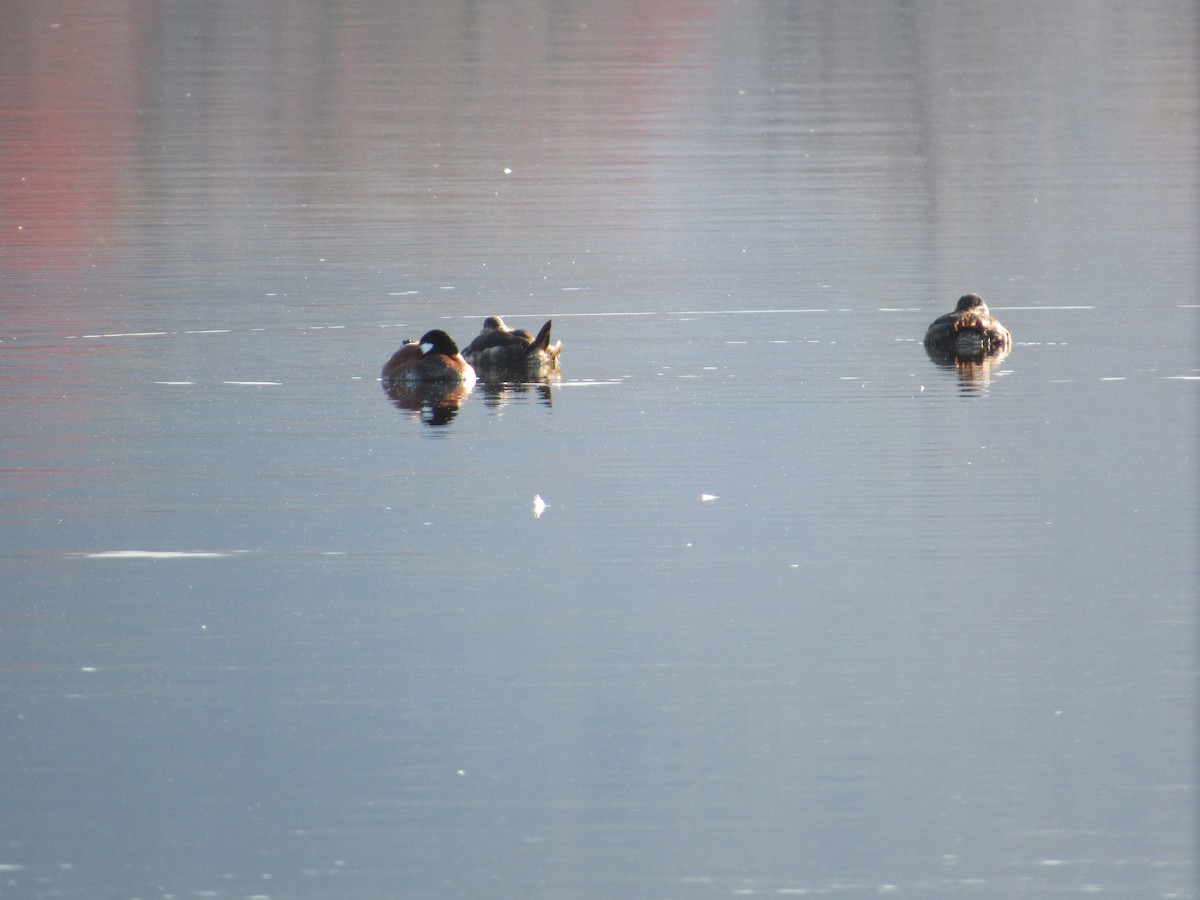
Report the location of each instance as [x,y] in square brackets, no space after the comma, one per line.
[805,613]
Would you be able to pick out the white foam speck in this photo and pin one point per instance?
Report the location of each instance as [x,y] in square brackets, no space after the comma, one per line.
[255,383]
[539,506]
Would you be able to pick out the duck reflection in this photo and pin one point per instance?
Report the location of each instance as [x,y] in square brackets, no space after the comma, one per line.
[435,403]
[974,373]
[499,387]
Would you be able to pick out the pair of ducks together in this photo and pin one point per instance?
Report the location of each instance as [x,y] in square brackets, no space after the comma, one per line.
[436,358]
[970,332]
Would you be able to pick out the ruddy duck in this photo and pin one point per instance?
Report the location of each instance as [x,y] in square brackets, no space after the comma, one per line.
[433,358]
[969,332]
[498,346]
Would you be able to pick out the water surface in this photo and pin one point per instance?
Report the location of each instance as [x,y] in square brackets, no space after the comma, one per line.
[805,613]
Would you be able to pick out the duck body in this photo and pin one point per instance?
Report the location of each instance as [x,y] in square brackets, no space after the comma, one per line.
[434,358]
[499,347]
[971,331]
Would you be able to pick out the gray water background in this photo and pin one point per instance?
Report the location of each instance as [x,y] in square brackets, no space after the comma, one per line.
[806,613]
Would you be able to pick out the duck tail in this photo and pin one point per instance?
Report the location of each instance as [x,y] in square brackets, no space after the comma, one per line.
[542,341]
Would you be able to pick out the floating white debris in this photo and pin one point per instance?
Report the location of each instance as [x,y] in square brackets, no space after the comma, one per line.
[708,498]
[153,554]
[539,506]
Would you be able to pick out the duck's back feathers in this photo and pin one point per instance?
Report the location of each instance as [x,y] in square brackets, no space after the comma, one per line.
[403,358]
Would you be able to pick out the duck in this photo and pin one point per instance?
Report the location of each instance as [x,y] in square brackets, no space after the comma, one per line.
[499,346]
[971,331]
[434,357]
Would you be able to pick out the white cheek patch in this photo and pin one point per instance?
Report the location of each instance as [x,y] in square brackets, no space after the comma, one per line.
[425,348]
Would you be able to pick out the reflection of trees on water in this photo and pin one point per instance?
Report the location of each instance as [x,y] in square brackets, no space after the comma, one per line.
[974,370]
[435,403]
